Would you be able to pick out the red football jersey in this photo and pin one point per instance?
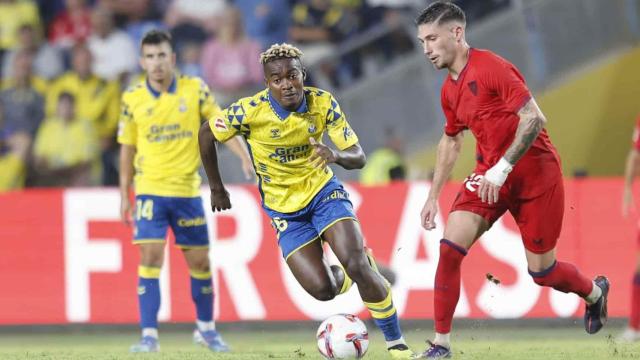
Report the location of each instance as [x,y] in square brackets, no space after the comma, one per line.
[636,135]
[486,99]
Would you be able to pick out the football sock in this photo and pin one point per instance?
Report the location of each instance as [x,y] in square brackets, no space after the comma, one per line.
[443,340]
[205,325]
[153,332]
[565,277]
[202,295]
[386,318]
[634,318]
[594,295]
[149,296]
[346,283]
[447,284]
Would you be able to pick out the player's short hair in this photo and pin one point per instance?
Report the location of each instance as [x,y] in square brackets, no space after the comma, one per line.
[280,51]
[65,95]
[441,12]
[156,37]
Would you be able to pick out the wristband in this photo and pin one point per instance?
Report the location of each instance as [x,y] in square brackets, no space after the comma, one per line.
[497,175]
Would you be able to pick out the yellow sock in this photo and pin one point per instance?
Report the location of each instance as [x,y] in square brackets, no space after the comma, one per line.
[347,283]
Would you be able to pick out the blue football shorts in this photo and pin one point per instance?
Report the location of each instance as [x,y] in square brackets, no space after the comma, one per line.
[298,229]
[154,214]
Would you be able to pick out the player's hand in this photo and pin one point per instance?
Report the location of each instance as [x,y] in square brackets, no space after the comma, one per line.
[493,180]
[248,170]
[488,192]
[220,200]
[428,214]
[322,155]
[126,215]
[627,202]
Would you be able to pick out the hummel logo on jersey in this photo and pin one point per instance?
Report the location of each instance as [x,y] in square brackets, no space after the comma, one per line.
[183,105]
[473,86]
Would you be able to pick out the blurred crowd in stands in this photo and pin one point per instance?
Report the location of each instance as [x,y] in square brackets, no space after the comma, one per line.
[64,64]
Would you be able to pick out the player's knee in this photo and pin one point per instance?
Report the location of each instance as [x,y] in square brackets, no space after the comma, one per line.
[322,292]
[357,268]
[320,287]
[152,259]
[201,266]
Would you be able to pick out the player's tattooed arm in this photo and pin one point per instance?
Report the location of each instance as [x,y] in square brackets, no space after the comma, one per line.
[532,121]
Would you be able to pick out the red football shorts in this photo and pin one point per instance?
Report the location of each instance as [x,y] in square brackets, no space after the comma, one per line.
[539,218]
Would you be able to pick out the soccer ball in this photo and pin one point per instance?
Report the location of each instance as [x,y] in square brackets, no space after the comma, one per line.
[342,336]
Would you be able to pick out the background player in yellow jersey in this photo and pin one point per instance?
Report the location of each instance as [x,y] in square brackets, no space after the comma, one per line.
[283,126]
[158,132]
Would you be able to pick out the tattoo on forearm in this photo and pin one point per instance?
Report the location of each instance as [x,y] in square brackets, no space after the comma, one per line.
[531,123]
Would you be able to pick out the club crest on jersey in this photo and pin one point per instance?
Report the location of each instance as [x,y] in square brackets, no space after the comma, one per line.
[220,125]
[312,129]
[473,86]
[183,106]
[275,133]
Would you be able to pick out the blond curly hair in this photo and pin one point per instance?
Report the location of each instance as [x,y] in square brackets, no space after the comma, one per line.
[280,51]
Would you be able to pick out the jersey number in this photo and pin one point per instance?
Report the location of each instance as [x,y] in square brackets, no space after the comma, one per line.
[144,209]
[279,224]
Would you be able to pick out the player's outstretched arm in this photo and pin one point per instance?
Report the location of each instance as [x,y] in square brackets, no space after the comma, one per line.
[630,172]
[239,148]
[532,121]
[219,195]
[127,153]
[350,158]
[446,157]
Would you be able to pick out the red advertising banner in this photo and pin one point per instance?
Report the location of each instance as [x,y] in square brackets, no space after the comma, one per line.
[66,258]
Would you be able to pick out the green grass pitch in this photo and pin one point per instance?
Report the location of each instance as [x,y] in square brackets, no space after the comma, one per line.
[477,341]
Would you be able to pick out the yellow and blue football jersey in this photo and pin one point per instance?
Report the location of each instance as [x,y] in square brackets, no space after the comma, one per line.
[164,129]
[279,143]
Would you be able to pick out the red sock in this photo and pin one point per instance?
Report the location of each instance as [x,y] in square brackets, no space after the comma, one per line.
[563,277]
[447,284]
[634,319]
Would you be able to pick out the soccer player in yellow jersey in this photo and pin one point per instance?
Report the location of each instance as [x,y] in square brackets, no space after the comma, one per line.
[283,126]
[158,132]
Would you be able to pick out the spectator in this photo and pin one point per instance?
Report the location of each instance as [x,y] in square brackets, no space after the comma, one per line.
[14,151]
[14,14]
[71,26]
[96,100]
[317,26]
[66,150]
[47,60]
[229,61]
[113,51]
[23,104]
[136,17]
[266,21]
[189,59]
[193,20]
[386,164]
[390,14]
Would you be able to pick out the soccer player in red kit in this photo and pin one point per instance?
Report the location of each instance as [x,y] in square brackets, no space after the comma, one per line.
[632,332]
[518,170]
